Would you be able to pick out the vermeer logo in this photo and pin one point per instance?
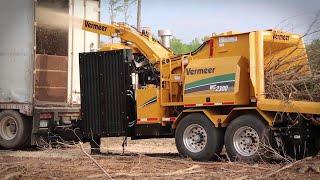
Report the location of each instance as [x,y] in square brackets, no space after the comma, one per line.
[87,24]
[199,71]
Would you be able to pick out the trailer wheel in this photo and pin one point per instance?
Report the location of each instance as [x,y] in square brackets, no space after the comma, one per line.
[14,130]
[244,138]
[196,137]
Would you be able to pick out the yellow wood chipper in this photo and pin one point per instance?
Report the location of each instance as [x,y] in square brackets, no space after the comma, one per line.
[212,97]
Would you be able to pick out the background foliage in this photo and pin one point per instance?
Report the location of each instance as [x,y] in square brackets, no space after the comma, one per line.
[179,47]
[313,51]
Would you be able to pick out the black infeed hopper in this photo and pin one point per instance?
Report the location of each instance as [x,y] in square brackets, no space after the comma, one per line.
[104,83]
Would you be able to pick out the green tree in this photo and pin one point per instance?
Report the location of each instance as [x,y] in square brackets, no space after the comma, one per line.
[195,43]
[115,7]
[120,6]
[125,8]
[178,47]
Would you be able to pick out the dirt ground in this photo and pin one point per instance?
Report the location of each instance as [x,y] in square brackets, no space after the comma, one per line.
[143,159]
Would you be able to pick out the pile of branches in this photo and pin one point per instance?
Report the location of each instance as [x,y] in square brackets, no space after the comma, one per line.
[291,77]
[287,80]
[304,88]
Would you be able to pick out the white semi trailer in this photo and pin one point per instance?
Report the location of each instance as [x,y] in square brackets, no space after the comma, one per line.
[39,68]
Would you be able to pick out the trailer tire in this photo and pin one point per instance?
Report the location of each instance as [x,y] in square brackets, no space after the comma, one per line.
[15,131]
[244,138]
[196,137]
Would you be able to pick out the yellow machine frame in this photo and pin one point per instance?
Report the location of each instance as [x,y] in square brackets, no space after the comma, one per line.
[236,59]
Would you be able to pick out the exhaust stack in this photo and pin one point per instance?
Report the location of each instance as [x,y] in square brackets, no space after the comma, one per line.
[165,34]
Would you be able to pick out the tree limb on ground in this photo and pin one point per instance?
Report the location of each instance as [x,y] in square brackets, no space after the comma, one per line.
[281,169]
[95,162]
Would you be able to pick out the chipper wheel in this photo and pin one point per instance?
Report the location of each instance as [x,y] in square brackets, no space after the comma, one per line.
[196,137]
[246,138]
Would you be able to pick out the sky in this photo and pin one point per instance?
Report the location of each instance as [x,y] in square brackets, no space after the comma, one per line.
[188,19]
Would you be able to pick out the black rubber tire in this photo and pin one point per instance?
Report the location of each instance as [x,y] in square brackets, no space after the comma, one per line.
[215,137]
[251,121]
[23,131]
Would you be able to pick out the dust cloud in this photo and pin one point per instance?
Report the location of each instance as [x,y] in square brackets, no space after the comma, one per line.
[54,18]
[53,22]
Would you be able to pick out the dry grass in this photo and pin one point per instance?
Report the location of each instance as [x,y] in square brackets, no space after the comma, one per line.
[143,159]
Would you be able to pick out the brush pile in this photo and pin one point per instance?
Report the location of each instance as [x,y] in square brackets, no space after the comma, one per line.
[301,89]
[286,79]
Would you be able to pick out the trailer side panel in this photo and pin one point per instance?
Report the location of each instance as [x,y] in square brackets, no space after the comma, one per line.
[16,51]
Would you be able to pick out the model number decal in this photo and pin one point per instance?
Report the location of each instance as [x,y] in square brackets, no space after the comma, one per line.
[219,88]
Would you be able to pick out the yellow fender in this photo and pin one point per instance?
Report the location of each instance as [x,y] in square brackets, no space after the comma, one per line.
[267,116]
[214,118]
[224,120]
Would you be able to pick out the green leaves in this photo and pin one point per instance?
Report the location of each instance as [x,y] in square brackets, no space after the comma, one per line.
[178,47]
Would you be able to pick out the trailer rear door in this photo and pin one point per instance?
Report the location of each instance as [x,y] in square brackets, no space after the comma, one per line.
[80,41]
